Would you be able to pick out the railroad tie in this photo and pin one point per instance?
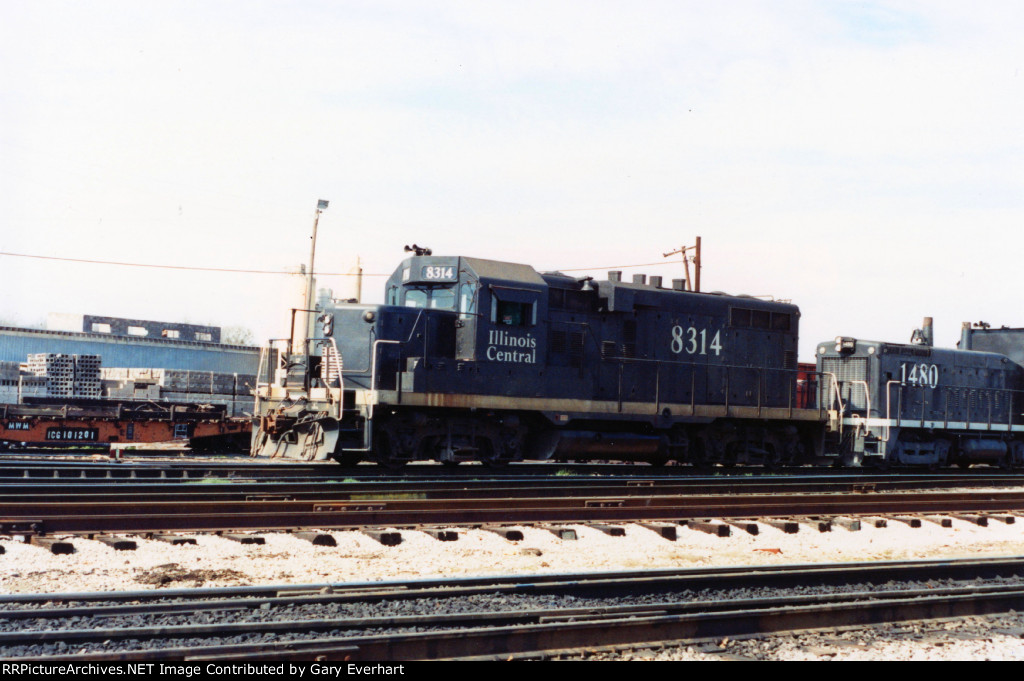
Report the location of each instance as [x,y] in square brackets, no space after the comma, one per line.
[610,530]
[56,546]
[710,527]
[816,524]
[664,530]
[787,526]
[748,526]
[564,533]
[117,543]
[175,539]
[385,537]
[851,524]
[441,534]
[506,532]
[244,538]
[316,538]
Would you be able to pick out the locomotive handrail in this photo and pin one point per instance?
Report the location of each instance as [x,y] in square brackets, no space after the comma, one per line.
[373,372]
[729,370]
[263,357]
[987,395]
[341,379]
[834,399]
[888,409]
[867,396]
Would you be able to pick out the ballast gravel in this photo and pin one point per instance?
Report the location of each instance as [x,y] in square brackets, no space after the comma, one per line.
[286,559]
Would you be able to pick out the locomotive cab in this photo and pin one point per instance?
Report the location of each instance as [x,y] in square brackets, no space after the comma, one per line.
[498,305]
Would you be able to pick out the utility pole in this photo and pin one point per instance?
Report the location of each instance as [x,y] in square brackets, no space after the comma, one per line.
[691,285]
[359,279]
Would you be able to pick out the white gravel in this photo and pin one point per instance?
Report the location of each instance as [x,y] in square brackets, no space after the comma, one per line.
[217,561]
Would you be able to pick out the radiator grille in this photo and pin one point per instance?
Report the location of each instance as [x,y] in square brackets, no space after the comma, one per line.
[847,371]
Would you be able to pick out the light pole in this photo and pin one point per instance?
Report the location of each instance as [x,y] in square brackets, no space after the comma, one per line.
[321,206]
[302,332]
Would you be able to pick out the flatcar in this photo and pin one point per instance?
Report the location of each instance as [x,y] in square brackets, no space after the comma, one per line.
[471,359]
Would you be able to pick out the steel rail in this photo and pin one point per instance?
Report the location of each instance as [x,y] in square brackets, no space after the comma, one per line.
[386,511]
[534,632]
[586,583]
[145,469]
[490,618]
[224,490]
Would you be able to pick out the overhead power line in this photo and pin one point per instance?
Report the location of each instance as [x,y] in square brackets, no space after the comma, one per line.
[246,271]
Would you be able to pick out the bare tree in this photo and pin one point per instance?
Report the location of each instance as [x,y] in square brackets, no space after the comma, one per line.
[236,335]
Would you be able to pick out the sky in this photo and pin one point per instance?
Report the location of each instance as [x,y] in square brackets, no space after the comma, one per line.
[861,159]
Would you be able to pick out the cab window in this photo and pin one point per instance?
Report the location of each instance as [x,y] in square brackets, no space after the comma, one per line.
[435,298]
[514,314]
[415,297]
[442,299]
[513,307]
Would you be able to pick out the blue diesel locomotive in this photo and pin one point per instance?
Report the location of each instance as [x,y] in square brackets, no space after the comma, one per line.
[473,359]
[919,405]
[479,360]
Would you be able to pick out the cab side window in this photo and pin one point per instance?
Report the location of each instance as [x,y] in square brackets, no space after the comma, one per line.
[514,314]
[513,307]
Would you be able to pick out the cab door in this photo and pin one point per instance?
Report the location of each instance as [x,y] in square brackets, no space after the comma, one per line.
[467,304]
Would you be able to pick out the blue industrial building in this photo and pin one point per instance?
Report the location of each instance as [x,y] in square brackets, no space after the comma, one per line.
[130,351]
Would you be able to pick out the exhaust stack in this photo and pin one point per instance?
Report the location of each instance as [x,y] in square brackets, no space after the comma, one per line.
[925,335]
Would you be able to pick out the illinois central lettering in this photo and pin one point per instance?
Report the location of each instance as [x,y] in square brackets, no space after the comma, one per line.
[502,346]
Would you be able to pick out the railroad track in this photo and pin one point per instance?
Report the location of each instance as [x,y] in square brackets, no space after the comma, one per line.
[150,470]
[485,618]
[36,510]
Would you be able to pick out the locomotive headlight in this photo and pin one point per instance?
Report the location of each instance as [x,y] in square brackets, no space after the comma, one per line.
[845,344]
[368,316]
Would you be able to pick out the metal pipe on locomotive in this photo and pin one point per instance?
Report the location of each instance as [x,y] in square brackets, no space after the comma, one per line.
[474,359]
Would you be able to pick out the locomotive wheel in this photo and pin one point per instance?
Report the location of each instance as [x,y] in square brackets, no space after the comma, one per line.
[487,454]
[661,457]
[384,451]
[348,460]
